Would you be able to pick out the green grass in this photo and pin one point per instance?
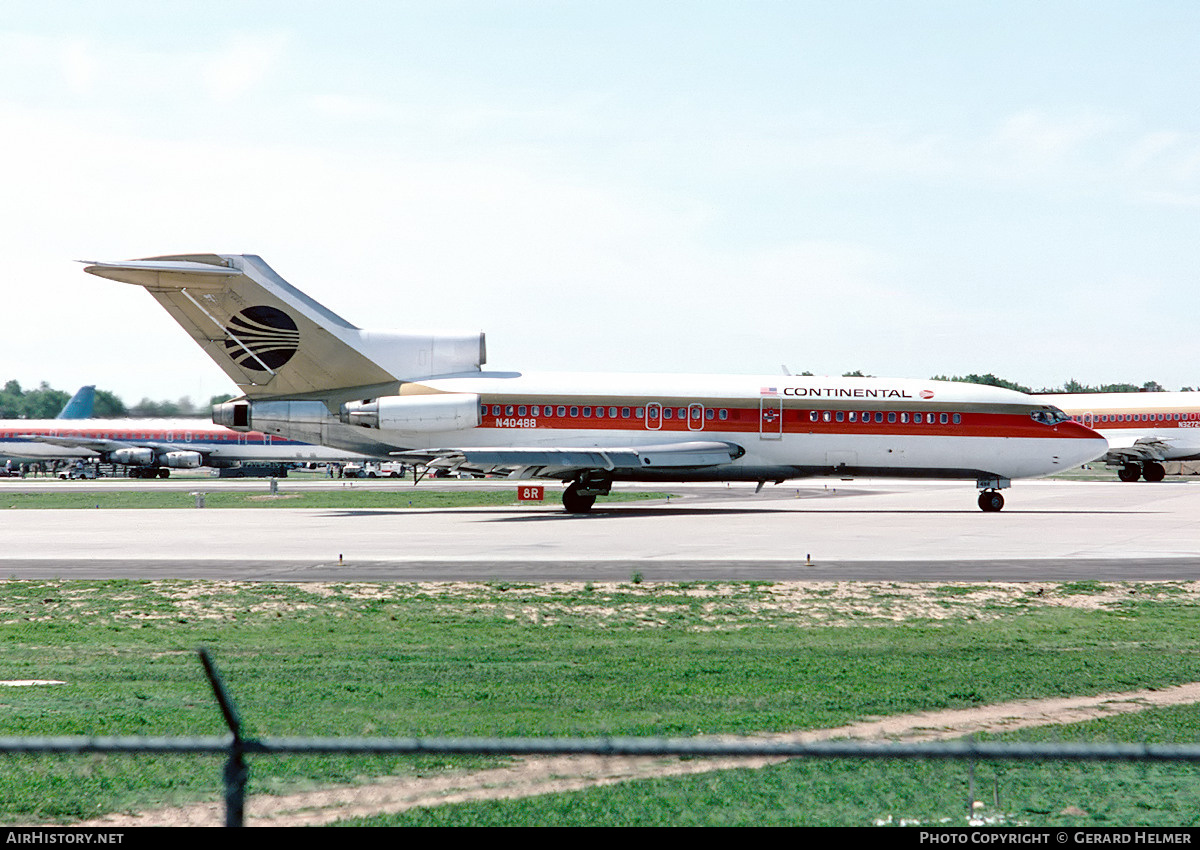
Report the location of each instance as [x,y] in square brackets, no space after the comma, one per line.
[515,659]
[844,792]
[349,498]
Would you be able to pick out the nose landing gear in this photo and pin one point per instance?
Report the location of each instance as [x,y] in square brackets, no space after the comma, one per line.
[990,500]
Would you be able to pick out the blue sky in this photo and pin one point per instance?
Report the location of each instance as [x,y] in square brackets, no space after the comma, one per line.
[905,188]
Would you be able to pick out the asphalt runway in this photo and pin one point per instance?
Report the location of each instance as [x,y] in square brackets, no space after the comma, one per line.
[817,531]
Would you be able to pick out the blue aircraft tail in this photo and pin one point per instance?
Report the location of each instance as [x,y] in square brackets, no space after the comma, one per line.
[80,405]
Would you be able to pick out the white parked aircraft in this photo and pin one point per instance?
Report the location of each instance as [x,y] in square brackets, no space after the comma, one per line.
[1142,429]
[153,447]
[310,375]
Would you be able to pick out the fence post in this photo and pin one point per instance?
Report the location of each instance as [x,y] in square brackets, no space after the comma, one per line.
[236,772]
[971,779]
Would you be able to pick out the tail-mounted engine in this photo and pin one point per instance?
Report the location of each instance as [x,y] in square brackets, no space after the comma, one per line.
[415,414]
[305,421]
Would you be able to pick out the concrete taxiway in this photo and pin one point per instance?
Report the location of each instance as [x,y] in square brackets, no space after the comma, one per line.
[1050,530]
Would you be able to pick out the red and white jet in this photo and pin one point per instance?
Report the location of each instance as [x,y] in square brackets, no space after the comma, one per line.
[310,375]
[1142,429]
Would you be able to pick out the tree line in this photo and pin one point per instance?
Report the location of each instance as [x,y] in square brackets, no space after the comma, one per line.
[45,402]
[1071,386]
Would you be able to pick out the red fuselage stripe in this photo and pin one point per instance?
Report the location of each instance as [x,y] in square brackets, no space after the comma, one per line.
[754,420]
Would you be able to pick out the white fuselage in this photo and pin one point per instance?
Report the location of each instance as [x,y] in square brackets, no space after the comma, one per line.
[788,426]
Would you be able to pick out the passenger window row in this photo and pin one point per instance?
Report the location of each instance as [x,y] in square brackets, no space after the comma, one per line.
[866,416]
[1138,417]
[597,412]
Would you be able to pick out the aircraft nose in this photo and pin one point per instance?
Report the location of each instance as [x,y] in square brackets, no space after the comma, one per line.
[1083,444]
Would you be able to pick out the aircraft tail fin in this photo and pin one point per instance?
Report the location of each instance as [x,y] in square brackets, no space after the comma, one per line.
[276,342]
[80,405]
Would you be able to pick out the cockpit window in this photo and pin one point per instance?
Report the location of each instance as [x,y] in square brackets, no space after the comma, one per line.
[1048,415]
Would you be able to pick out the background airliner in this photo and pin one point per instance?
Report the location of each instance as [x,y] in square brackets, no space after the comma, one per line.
[1142,429]
[310,375]
[80,405]
[153,447]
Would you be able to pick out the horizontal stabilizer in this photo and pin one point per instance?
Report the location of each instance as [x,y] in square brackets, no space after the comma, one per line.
[126,269]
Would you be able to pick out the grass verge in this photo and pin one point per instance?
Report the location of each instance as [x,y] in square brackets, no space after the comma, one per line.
[513,659]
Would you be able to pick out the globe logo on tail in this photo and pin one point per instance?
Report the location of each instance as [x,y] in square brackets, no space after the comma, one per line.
[262,338]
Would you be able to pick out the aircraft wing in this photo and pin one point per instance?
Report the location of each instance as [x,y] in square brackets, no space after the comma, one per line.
[1143,448]
[101,445]
[92,443]
[551,462]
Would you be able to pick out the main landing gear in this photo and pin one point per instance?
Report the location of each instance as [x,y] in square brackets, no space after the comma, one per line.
[990,500]
[1150,470]
[581,493]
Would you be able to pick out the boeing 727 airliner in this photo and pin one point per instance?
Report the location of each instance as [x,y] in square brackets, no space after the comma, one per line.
[1142,429]
[309,375]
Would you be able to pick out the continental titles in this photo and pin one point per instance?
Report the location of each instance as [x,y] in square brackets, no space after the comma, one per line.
[845,392]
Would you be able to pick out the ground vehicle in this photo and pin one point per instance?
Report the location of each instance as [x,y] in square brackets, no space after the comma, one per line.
[373,470]
[77,470]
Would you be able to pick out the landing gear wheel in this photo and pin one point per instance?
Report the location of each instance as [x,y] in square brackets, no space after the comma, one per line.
[1130,472]
[575,503]
[990,501]
[1153,471]
[163,473]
